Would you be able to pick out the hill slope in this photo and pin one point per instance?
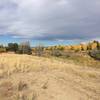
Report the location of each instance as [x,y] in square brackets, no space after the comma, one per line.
[24,77]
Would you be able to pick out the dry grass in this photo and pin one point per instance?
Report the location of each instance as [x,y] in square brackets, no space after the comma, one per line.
[24,77]
[84,60]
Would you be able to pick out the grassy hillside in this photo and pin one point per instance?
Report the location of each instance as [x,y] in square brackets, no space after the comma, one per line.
[79,59]
[24,77]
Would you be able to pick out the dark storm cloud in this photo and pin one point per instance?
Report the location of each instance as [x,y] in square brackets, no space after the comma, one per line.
[50,19]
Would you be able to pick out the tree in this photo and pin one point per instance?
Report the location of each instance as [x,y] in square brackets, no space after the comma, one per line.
[83,47]
[24,48]
[39,50]
[12,47]
[98,45]
[92,46]
[2,49]
[76,48]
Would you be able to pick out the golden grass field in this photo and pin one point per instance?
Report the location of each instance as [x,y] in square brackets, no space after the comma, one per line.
[24,77]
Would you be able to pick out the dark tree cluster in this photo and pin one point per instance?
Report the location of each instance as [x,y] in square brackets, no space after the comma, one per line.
[22,48]
[12,47]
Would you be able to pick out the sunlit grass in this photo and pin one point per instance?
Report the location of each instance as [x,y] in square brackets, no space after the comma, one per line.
[19,74]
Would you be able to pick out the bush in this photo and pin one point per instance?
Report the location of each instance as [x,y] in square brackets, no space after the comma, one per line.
[39,50]
[95,54]
[77,50]
[56,53]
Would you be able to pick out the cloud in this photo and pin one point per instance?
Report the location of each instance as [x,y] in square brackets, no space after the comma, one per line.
[50,19]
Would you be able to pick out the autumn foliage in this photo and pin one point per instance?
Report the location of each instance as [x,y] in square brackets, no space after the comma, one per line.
[81,47]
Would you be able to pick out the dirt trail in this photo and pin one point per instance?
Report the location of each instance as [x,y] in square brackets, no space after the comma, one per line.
[54,80]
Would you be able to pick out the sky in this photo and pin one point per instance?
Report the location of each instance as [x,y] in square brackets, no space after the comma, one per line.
[49,21]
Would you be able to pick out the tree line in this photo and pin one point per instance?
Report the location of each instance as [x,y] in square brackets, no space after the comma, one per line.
[81,47]
[22,48]
[39,50]
[91,48]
